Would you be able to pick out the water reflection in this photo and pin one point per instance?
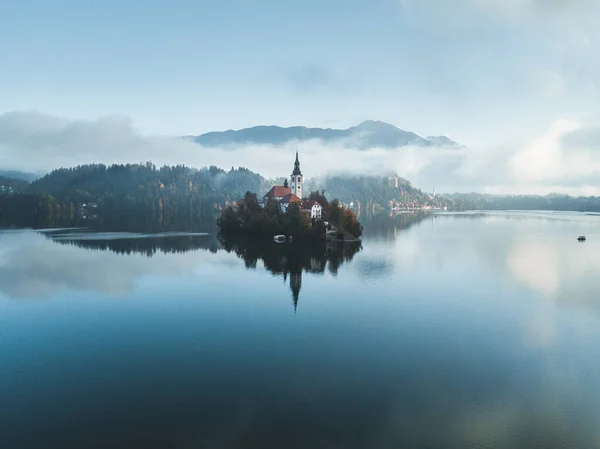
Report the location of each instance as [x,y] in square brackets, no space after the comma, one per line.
[37,264]
[449,332]
[136,243]
[387,226]
[292,259]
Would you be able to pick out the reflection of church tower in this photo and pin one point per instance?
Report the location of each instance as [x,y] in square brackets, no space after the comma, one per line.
[297,178]
[295,285]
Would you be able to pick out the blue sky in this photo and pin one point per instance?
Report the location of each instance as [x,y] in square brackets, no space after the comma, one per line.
[486,72]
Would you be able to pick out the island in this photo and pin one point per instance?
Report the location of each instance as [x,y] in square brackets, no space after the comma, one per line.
[283,213]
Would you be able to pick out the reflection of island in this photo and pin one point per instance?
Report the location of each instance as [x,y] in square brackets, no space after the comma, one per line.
[292,259]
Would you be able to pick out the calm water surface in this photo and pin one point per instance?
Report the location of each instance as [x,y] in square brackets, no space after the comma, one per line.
[453,332]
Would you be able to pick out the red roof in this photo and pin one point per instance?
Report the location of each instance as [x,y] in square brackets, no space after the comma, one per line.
[278,192]
[291,198]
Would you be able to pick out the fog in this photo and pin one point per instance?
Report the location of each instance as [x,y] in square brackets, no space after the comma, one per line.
[566,158]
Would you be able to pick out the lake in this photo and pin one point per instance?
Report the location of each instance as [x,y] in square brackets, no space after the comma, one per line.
[447,331]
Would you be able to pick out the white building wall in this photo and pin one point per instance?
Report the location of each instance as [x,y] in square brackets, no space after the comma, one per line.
[297,185]
[315,211]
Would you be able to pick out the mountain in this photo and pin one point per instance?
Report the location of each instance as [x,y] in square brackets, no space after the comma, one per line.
[368,134]
[444,141]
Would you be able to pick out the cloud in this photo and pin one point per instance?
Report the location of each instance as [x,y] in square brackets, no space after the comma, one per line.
[567,154]
[565,158]
[551,83]
[37,142]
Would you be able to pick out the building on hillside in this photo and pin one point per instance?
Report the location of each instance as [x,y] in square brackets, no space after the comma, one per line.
[314,209]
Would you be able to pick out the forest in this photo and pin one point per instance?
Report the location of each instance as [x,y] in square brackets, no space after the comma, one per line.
[127,197]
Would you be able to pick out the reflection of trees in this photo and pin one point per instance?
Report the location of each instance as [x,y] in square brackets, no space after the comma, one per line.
[292,259]
[146,246]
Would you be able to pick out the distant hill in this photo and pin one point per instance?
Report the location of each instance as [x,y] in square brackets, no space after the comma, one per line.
[373,194]
[369,134]
[12,185]
[29,177]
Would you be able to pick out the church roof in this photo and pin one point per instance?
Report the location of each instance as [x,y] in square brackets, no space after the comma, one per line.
[291,198]
[278,192]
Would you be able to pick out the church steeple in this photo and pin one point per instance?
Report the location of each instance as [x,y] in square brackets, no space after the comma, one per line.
[297,166]
[296,178]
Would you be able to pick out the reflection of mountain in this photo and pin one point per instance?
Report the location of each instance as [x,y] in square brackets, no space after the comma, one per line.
[128,243]
[292,259]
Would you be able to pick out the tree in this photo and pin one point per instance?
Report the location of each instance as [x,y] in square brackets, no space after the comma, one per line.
[228,220]
[335,212]
[320,198]
[296,220]
[350,223]
[272,208]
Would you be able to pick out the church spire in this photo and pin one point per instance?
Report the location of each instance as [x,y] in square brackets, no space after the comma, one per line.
[296,178]
[296,171]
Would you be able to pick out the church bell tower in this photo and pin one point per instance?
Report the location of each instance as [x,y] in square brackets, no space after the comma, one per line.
[297,178]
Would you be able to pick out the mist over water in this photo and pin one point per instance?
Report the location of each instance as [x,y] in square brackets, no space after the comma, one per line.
[445,331]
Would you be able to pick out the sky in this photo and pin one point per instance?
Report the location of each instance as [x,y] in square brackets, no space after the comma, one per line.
[516,81]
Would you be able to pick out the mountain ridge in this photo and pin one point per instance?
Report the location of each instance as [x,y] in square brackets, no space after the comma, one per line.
[365,135]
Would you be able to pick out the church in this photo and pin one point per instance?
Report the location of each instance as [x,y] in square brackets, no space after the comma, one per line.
[287,195]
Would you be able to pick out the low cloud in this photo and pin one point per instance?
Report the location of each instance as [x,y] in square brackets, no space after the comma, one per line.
[565,158]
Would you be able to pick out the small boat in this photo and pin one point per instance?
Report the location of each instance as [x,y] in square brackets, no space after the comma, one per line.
[279,238]
[581,238]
